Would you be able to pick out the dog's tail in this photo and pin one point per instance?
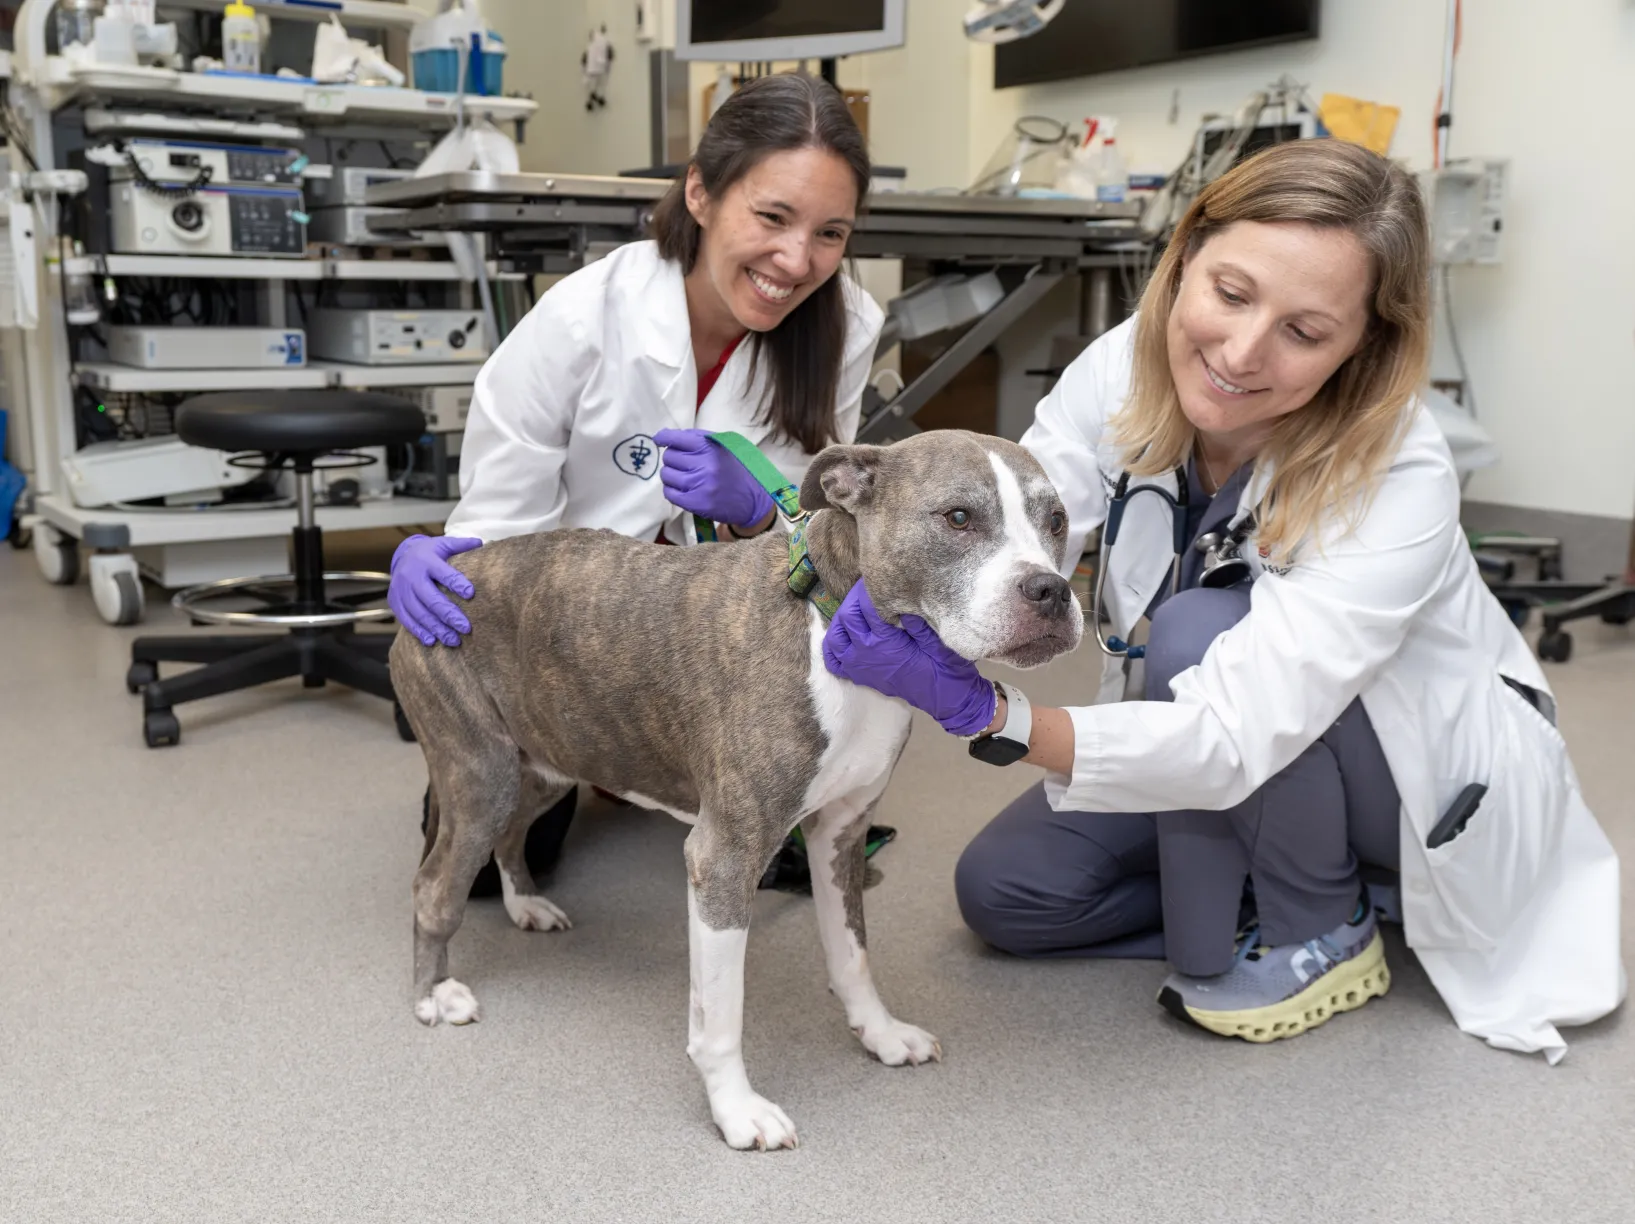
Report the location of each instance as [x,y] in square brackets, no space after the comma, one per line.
[431,822]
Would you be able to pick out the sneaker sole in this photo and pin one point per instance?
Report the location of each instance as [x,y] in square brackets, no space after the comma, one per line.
[1343,988]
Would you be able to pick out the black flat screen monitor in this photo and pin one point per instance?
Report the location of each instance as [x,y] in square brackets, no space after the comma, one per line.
[1092,36]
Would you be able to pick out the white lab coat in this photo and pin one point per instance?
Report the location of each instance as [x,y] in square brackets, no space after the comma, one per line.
[1517,919]
[560,431]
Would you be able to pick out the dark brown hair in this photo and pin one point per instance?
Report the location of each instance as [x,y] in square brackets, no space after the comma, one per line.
[806,351]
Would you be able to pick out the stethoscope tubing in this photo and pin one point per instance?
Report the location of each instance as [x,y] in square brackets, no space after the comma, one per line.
[1116,648]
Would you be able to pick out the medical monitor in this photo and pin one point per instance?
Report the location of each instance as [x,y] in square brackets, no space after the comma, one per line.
[1092,36]
[760,31]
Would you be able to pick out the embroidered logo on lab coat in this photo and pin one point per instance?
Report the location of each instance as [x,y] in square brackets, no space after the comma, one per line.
[637,456]
[1265,552]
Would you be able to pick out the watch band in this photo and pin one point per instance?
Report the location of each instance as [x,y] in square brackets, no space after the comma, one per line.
[1010,743]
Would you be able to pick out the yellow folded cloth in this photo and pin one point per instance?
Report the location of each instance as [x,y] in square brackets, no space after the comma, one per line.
[1366,123]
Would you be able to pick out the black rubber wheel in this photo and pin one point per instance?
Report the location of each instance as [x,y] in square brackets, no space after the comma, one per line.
[130,598]
[160,729]
[404,731]
[141,674]
[1615,616]
[1556,646]
[19,537]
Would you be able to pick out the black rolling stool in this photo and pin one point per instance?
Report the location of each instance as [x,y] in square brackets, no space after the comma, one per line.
[292,429]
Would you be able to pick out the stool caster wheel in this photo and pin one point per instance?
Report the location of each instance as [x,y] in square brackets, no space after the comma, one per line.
[141,674]
[160,728]
[1555,646]
[404,731]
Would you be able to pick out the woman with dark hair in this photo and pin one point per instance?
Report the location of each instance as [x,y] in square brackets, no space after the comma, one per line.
[735,316]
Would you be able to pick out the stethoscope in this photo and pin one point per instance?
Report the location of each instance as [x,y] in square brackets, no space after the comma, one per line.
[1224,565]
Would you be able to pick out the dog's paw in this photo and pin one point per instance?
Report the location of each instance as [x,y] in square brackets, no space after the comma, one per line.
[449,1000]
[749,1120]
[895,1043]
[535,913]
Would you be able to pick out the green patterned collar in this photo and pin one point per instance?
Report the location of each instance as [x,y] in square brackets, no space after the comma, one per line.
[803,576]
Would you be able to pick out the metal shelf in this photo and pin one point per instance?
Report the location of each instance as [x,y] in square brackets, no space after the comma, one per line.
[111,377]
[392,269]
[222,267]
[63,81]
[214,267]
[406,270]
[199,526]
[361,13]
[367,377]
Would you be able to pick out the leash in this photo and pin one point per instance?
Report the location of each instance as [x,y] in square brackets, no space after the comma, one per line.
[784,495]
[803,578]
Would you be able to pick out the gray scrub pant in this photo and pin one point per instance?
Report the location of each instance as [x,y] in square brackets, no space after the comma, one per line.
[1037,882]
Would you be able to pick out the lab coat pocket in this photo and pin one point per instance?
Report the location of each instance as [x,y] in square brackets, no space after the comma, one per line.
[1486,876]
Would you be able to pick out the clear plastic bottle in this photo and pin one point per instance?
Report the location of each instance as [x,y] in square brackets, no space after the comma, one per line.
[240,39]
[1112,176]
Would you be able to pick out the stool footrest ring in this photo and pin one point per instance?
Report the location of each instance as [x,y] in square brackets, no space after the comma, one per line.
[191,600]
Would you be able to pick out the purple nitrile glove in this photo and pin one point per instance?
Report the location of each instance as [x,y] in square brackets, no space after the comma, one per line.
[419,565]
[909,662]
[705,479]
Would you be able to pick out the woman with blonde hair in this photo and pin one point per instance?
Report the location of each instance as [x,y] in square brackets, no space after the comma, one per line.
[1330,692]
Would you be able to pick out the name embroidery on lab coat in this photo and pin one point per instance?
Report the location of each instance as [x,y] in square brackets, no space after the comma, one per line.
[637,456]
[1265,551]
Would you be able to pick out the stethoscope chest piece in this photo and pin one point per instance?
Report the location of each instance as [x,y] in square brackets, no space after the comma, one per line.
[1224,565]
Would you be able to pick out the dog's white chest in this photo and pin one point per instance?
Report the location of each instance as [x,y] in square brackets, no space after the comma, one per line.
[865,729]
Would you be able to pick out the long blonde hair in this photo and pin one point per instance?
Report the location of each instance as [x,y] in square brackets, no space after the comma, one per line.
[1327,454]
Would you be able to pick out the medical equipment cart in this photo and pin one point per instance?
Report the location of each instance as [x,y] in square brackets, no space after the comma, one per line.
[55,377]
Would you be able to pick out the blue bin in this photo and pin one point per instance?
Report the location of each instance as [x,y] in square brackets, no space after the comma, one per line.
[438,71]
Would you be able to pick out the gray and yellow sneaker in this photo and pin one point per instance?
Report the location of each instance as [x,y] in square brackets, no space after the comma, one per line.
[1272,993]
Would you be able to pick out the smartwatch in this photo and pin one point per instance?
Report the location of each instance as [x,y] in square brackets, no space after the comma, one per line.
[1010,743]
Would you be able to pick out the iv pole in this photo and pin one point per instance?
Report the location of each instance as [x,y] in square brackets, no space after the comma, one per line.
[1444,117]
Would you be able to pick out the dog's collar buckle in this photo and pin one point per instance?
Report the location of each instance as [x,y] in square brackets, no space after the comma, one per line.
[803,576]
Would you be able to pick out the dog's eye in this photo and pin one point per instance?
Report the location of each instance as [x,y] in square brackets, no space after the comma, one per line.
[1058,522]
[959,520]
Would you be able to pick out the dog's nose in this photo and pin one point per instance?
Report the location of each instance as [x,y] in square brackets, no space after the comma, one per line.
[1049,592]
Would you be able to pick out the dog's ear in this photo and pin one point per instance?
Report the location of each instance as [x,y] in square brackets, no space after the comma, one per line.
[841,478]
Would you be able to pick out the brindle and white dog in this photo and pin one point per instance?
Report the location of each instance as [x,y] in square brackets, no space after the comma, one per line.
[691,680]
